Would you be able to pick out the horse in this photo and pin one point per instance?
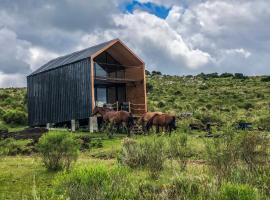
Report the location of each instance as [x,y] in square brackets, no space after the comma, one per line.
[115,117]
[145,118]
[102,111]
[164,120]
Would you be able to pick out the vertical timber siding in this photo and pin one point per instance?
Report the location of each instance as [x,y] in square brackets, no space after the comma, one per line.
[60,94]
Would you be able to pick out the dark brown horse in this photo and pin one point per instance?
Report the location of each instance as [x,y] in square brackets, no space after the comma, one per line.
[115,118]
[146,117]
[162,121]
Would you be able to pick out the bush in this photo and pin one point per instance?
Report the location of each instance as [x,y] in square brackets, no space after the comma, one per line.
[58,150]
[132,154]
[180,187]
[240,76]
[247,105]
[253,150]
[149,87]
[2,112]
[221,157]
[97,182]
[154,147]
[226,75]
[188,187]
[149,153]
[154,73]
[264,123]
[238,192]
[265,79]
[3,128]
[13,147]
[15,117]
[179,150]
[161,104]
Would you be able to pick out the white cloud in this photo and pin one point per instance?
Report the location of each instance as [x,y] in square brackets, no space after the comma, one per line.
[39,56]
[197,35]
[241,51]
[12,80]
[14,52]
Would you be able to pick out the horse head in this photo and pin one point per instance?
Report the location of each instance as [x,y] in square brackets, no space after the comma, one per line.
[100,110]
[173,123]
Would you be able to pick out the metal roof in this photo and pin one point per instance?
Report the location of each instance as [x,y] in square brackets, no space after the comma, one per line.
[71,58]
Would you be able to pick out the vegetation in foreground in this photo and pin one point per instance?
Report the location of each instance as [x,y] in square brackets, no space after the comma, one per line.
[185,165]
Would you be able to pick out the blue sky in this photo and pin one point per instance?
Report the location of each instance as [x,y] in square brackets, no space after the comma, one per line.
[152,8]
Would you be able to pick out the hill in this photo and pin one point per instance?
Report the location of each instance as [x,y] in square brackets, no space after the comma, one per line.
[208,97]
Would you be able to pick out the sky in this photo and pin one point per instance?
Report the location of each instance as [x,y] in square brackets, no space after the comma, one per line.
[176,37]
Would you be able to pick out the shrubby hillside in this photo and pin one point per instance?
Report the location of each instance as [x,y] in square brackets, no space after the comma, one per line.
[213,98]
[13,109]
[209,97]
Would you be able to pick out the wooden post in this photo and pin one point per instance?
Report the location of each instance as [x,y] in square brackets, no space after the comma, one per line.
[48,126]
[129,108]
[73,125]
[93,125]
[117,106]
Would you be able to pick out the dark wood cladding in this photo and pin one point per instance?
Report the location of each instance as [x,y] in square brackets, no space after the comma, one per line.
[60,94]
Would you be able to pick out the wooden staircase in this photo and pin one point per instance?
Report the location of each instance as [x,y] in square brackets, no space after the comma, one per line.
[137,130]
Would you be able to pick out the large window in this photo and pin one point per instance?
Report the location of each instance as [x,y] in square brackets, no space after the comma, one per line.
[99,71]
[101,96]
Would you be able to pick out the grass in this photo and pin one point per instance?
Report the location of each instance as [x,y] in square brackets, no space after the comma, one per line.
[228,100]
[20,174]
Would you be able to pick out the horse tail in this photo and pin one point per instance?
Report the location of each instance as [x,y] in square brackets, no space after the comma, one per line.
[150,122]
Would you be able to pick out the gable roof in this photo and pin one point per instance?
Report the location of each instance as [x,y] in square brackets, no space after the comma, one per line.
[73,57]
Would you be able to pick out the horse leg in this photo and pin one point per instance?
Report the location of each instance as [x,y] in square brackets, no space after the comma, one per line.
[157,128]
[143,127]
[128,129]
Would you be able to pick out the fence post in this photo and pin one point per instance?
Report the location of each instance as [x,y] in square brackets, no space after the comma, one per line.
[48,126]
[73,125]
[129,108]
[117,106]
[93,125]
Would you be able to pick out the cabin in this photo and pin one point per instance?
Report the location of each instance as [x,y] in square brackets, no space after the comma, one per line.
[69,87]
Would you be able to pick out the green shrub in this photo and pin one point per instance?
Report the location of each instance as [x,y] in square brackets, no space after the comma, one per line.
[97,182]
[132,154]
[3,128]
[2,112]
[265,79]
[154,147]
[179,150]
[149,87]
[264,123]
[239,76]
[149,153]
[13,147]
[238,192]
[96,143]
[161,104]
[58,150]
[189,187]
[246,105]
[221,157]
[180,187]
[253,149]
[15,117]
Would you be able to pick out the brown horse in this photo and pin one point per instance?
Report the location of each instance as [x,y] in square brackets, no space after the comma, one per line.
[164,120]
[115,118]
[146,117]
